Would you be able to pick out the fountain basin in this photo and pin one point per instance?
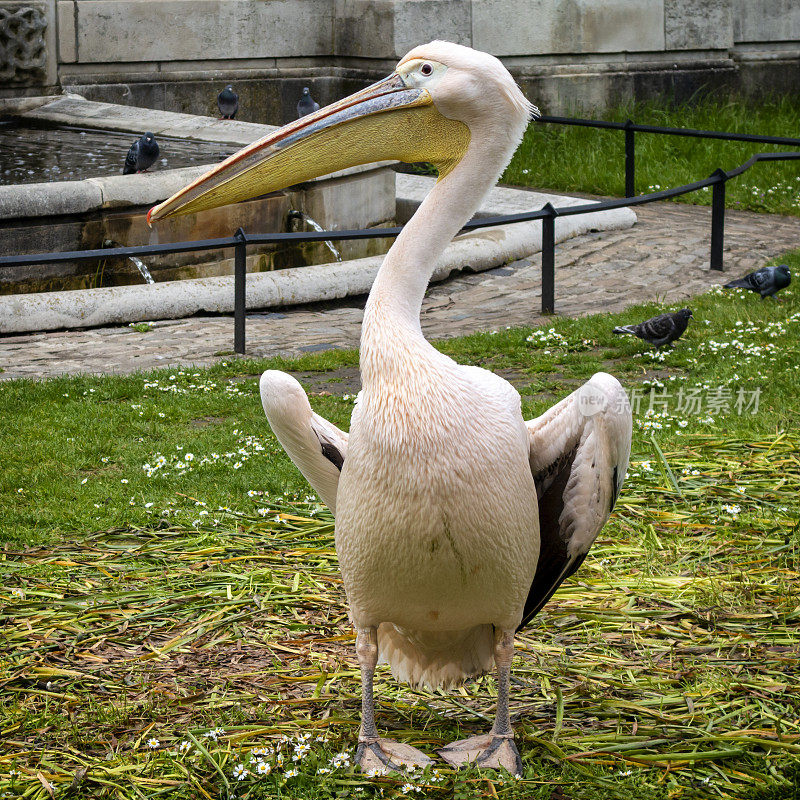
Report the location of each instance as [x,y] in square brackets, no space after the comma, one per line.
[474,251]
[109,211]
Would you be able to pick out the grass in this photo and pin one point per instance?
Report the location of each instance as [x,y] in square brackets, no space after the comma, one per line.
[168,627]
[591,160]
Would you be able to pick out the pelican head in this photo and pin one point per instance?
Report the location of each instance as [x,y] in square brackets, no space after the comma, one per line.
[439,98]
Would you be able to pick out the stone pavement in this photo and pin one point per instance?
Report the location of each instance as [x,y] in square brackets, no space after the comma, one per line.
[664,257]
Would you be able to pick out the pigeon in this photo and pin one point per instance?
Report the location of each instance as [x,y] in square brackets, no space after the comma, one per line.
[228,103]
[143,153]
[306,104]
[660,330]
[766,281]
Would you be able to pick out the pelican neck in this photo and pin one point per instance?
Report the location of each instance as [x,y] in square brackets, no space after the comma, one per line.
[399,288]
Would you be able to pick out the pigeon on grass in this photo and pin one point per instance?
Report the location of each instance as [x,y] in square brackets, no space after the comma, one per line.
[142,155]
[660,330]
[227,103]
[766,281]
[306,104]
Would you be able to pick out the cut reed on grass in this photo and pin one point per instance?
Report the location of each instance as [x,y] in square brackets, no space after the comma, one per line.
[186,640]
[669,666]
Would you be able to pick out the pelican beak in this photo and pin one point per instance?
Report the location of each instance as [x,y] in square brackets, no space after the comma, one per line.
[388,120]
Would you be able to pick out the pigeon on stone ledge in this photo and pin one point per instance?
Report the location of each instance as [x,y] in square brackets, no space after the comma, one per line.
[766,281]
[228,103]
[142,155]
[306,104]
[660,330]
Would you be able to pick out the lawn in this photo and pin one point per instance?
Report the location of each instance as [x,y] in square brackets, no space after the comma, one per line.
[590,160]
[173,622]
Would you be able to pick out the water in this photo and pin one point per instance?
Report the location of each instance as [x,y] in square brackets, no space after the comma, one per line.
[142,268]
[317,227]
[33,154]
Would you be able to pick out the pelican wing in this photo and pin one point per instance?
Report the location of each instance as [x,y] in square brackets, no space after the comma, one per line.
[579,453]
[316,446]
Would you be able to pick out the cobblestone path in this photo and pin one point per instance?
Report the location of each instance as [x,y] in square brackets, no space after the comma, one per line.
[664,257]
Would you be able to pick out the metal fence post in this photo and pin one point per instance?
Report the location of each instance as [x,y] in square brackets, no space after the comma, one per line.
[239,290]
[549,259]
[718,218]
[630,160]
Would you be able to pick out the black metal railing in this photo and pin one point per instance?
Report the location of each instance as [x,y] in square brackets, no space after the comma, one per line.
[630,127]
[548,214]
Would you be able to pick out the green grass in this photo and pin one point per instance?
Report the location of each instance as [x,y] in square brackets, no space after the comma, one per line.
[565,158]
[161,606]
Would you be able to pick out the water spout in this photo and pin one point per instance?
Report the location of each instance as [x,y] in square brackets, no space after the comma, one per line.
[312,223]
[135,260]
[142,268]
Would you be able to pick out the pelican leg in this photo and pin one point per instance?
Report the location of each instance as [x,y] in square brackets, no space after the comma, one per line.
[374,754]
[495,749]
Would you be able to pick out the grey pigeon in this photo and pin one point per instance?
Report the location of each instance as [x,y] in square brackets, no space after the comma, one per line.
[142,155]
[228,103]
[660,330]
[306,104]
[766,281]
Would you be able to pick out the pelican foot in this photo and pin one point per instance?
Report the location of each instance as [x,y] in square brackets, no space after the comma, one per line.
[384,755]
[486,750]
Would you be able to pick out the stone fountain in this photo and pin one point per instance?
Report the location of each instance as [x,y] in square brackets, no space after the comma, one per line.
[109,211]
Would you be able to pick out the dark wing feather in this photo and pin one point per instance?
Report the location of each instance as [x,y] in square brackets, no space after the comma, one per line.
[331,452]
[755,281]
[131,158]
[657,327]
[554,564]
[579,452]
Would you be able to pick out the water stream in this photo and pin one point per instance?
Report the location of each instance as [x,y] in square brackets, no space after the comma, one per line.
[312,223]
[142,268]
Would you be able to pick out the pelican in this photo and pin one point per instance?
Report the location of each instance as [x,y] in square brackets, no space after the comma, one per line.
[456,520]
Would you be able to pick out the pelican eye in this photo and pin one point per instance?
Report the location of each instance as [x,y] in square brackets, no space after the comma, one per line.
[426,69]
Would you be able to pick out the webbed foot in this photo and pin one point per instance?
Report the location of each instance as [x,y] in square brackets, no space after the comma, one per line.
[385,755]
[487,750]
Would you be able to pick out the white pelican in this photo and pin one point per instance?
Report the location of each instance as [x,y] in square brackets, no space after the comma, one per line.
[456,520]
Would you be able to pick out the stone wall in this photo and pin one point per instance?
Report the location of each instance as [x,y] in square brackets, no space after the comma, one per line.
[568,54]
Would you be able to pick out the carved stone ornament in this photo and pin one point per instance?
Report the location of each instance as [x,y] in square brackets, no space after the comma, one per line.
[23,52]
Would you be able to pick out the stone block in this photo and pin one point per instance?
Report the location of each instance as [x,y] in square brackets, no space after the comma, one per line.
[698,24]
[201,30]
[541,27]
[67,53]
[364,28]
[361,200]
[766,20]
[420,21]
[388,29]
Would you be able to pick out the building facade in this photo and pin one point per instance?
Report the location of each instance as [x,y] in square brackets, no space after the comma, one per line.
[568,55]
